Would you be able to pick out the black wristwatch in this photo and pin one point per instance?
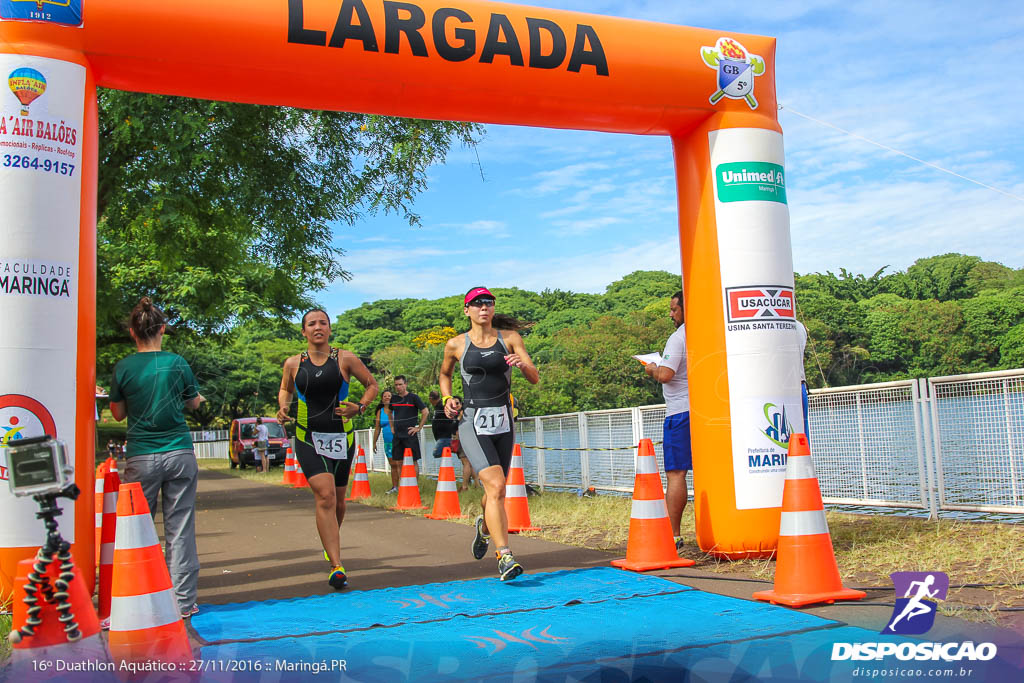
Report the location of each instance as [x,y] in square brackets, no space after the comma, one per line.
[362,408]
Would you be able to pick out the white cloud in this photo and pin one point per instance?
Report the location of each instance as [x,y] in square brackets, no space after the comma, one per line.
[936,82]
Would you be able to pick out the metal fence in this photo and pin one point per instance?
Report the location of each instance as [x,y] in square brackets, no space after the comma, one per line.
[941,443]
[209,435]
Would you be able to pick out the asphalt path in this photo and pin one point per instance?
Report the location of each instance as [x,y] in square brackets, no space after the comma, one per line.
[258,542]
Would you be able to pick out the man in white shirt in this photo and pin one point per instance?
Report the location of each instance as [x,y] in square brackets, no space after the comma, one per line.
[671,372]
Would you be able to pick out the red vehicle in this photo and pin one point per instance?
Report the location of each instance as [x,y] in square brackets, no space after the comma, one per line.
[242,442]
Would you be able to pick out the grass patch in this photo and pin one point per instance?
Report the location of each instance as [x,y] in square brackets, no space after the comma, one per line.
[5,628]
[867,547]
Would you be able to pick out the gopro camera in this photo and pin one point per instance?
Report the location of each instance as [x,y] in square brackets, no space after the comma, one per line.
[38,466]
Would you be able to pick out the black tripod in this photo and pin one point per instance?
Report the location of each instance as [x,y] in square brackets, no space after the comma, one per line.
[38,587]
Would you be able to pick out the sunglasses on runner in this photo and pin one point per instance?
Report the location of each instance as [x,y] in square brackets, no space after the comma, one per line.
[481,302]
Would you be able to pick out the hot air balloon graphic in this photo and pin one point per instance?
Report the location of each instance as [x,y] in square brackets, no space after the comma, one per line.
[26,84]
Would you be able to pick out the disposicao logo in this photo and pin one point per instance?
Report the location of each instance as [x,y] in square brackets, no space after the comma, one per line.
[736,70]
[751,181]
[914,614]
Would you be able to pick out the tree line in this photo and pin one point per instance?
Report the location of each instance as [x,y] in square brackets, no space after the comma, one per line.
[944,315]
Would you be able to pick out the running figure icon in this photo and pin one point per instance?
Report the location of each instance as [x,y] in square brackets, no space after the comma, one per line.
[916,606]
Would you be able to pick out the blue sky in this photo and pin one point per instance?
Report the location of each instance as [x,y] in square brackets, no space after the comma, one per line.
[939,81]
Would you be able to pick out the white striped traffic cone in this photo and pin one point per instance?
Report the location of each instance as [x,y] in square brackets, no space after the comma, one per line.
[289,468]
[408,486]
[446,499]
[112,484]
[650,545]
[517,508]
[44,630]
[145,624]
[360,478]
[805,566]
[101,473]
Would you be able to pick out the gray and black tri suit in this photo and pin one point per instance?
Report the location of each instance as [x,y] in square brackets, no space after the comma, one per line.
[486,431]
[319,388]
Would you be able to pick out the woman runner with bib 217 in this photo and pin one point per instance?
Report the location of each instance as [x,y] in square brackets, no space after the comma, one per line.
[486,355]
[324,433]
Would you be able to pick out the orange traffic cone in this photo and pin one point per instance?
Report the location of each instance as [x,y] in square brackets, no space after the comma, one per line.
[38,633]
[101,473]
[300,479]
[145,623]
[408,486]
[650,545]
[805,564]
[289,468]
[446,500]
[110,488]
[361,479]
[516,507]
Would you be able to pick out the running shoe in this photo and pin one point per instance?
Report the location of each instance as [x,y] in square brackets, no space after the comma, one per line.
[508,568]
[679,543]
[186,613]
[393,489]
[337,578]
[480,540]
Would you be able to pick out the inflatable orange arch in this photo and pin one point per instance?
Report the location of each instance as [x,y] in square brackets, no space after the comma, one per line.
[712,92]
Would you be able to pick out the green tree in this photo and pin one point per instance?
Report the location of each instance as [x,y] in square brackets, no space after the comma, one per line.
[1011,348]
[635,291]
[367,342]
[944,277]
[224,212]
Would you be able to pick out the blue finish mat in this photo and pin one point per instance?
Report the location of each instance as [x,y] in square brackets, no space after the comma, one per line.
[531,641]
[348,611]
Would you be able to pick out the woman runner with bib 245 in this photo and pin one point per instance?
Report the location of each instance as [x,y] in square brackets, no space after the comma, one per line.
[486,355]
[324,433]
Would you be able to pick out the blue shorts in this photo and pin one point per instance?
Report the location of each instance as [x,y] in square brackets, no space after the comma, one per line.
[442,443]
[676,442]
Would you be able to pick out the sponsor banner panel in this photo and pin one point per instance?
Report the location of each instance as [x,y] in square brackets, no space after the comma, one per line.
[65,12]
[41,116]
[763,426]
[762,345]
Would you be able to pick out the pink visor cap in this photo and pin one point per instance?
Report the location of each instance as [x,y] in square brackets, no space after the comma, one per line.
[475,292]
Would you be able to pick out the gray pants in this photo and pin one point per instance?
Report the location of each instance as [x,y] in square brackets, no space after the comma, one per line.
[175,473]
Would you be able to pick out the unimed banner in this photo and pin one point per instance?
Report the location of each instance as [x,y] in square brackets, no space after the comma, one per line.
[762,348]
[41,115]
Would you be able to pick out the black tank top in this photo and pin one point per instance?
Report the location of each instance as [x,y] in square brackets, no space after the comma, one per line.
[318,389]
[486,377]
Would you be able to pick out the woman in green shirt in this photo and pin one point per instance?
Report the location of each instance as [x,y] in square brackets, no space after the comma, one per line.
[152,388]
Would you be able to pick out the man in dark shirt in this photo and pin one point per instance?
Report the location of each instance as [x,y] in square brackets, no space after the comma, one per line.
[442,426]
[405,424]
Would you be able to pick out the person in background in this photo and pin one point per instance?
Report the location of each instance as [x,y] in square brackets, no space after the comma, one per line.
[442,426]
[405,406]
[801,333]
[671,373]
[152,388]
[262,445]
[382,426]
